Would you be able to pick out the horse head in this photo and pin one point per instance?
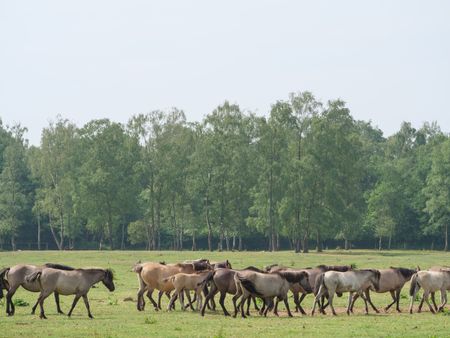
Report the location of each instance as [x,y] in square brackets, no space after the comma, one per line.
[108,280]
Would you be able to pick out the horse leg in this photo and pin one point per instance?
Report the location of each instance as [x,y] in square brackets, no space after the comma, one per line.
[244,298]
[425,296]
[275,309]
[286,303]
[199,300]
[434,300]
[172,300]
[249,301]
[41,304]
[394,300]
[361,294]
[58,307]
[269,306]
[140,298]
[188,295]
[397,296]
[211,294]
[367,292]
[10,308]
[299,302]
[330,301]
[235,298]
[222,303]
[352,297]
[255,304]
[86,303]
[351,302]
[75,301]
[443,300]
[263,308]
[160,293]
[150,297]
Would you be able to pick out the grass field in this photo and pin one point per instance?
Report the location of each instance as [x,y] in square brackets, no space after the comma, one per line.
[115,317]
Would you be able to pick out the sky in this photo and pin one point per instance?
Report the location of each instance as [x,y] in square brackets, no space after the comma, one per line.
[388,60]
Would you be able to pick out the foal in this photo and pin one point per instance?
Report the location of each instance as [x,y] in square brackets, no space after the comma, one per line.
[77,282]
[187,282]
[16,277]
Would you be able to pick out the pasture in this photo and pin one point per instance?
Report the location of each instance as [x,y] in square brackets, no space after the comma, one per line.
[116,316]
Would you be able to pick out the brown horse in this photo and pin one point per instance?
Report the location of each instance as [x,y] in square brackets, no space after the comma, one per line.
[391,280]
[222,281]
[15,277]
[75,282]
[153,276]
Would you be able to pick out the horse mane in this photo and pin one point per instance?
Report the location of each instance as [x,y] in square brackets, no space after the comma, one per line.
[406,273]
[109,273]
[58,266]
[200,266]
[375,271]
[253,268]
[291,276]
[340,268]
[162,263]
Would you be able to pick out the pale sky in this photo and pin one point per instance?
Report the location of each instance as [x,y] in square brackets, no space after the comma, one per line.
[389,60]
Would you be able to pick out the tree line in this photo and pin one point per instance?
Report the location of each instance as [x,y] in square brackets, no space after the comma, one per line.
[306,176]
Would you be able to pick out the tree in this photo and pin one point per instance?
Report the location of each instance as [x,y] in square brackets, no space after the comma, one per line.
[14,186]
[437,192]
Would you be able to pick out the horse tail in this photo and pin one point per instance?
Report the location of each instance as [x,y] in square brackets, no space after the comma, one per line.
[319,282]
[59,266]
[209,278]
[3,272]
[248,285]
[138,268]
[415,286]
[33,277]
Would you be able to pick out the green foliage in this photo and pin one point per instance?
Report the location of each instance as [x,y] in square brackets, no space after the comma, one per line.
[307,172]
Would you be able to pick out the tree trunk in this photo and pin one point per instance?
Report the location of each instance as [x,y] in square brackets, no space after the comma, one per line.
[240,243]
[208,223]
[379,243]
[53,233]
[39,231]
[446,238]
[346,244]
[318,242]
[122,241]
[298,245]
[227,241]
[13,243]
[389,242]
[194,244]
[305,243]
[234,243]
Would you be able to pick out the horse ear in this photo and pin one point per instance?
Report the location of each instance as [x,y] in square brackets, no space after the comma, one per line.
[418,268]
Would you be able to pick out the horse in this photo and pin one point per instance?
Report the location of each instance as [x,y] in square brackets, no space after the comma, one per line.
[187,282]
[296,289]
[74,282]
[348,281]
[16,277]
[267,286]
[152,276]
[391,280]
[222,280]
[430,281]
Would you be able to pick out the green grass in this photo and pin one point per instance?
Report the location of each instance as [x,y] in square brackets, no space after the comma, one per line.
[115,317]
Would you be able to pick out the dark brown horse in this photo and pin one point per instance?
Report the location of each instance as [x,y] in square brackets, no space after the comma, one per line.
[222,281]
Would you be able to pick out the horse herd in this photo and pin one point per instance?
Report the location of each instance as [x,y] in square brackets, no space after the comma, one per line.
[207,279]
